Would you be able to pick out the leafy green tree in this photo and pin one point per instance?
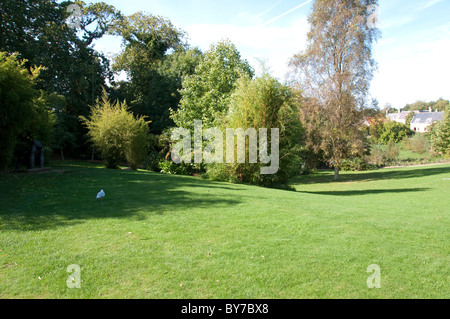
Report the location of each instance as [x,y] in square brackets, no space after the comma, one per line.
[393,132]
[17,95]
[416,106]
[440,135]
[25,113]
[206,93]
[117,133]
[438,105]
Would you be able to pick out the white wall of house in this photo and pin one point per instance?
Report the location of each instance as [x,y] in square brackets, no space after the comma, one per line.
[419,127]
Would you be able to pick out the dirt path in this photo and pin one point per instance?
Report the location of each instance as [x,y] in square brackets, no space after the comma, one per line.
[419,165]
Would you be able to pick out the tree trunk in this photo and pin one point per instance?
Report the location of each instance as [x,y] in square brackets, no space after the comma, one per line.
[336,173]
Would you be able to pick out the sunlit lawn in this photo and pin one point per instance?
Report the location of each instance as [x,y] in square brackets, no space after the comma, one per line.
[162,236]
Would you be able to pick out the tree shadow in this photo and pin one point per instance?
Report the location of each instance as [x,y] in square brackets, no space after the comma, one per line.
[366,192]
[382,174]
[46,201]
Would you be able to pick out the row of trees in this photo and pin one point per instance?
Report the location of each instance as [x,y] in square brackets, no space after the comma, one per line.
[439,105]
[170,84]
[69,73]
[224,93]
[173,84]
[327,95]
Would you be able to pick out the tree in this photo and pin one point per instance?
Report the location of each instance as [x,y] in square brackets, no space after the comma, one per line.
[206,93]
[441,105]
[373,110]
[334,74]
[376,127]
[388,109]
[38,31]
[117,133]
[265,103]
[393,132]
[409,118]
[438,105]
[440,135]
[25,112]
[416,106]
[17,94]
[156,59]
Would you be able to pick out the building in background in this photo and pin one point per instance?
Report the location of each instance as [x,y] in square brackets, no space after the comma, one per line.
[420,121]
[398,117]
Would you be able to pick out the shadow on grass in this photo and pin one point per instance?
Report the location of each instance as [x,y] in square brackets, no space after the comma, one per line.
[382,174]
[44,201]
[366,192]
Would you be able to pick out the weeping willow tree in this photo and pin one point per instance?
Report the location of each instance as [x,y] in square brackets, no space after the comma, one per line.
[334,73]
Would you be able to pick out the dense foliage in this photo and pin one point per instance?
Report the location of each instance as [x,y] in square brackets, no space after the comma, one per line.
[440,135]
[206,94]
[258,104]
[156,59]
[24,111]
[117,133]
[392,132]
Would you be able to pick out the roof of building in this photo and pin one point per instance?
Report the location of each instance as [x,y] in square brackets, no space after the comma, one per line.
[398,116]
[427,118]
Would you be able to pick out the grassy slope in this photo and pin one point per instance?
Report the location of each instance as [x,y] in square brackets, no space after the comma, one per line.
[159,236]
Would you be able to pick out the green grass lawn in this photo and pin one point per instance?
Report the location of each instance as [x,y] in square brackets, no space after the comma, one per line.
[161,236]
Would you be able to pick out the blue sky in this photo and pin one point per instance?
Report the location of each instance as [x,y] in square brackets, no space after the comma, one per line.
[413,54]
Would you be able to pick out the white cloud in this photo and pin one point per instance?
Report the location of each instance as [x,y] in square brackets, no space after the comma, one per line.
[273,44]
[428,4]
[417,72]
[287,12]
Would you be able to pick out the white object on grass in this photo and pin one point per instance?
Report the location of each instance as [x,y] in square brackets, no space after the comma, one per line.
[101,194]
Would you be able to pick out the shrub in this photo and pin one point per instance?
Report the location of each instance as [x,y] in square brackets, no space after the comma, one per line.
[418,143]
[392,153]
[357,164]
[153,160]
[169,167]
[381,155]
[377,155]
[117,133]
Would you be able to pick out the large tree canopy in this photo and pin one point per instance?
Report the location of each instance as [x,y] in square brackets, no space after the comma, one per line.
[156,59]
[38,32]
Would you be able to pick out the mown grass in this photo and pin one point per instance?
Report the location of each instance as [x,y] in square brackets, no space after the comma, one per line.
[161,236]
